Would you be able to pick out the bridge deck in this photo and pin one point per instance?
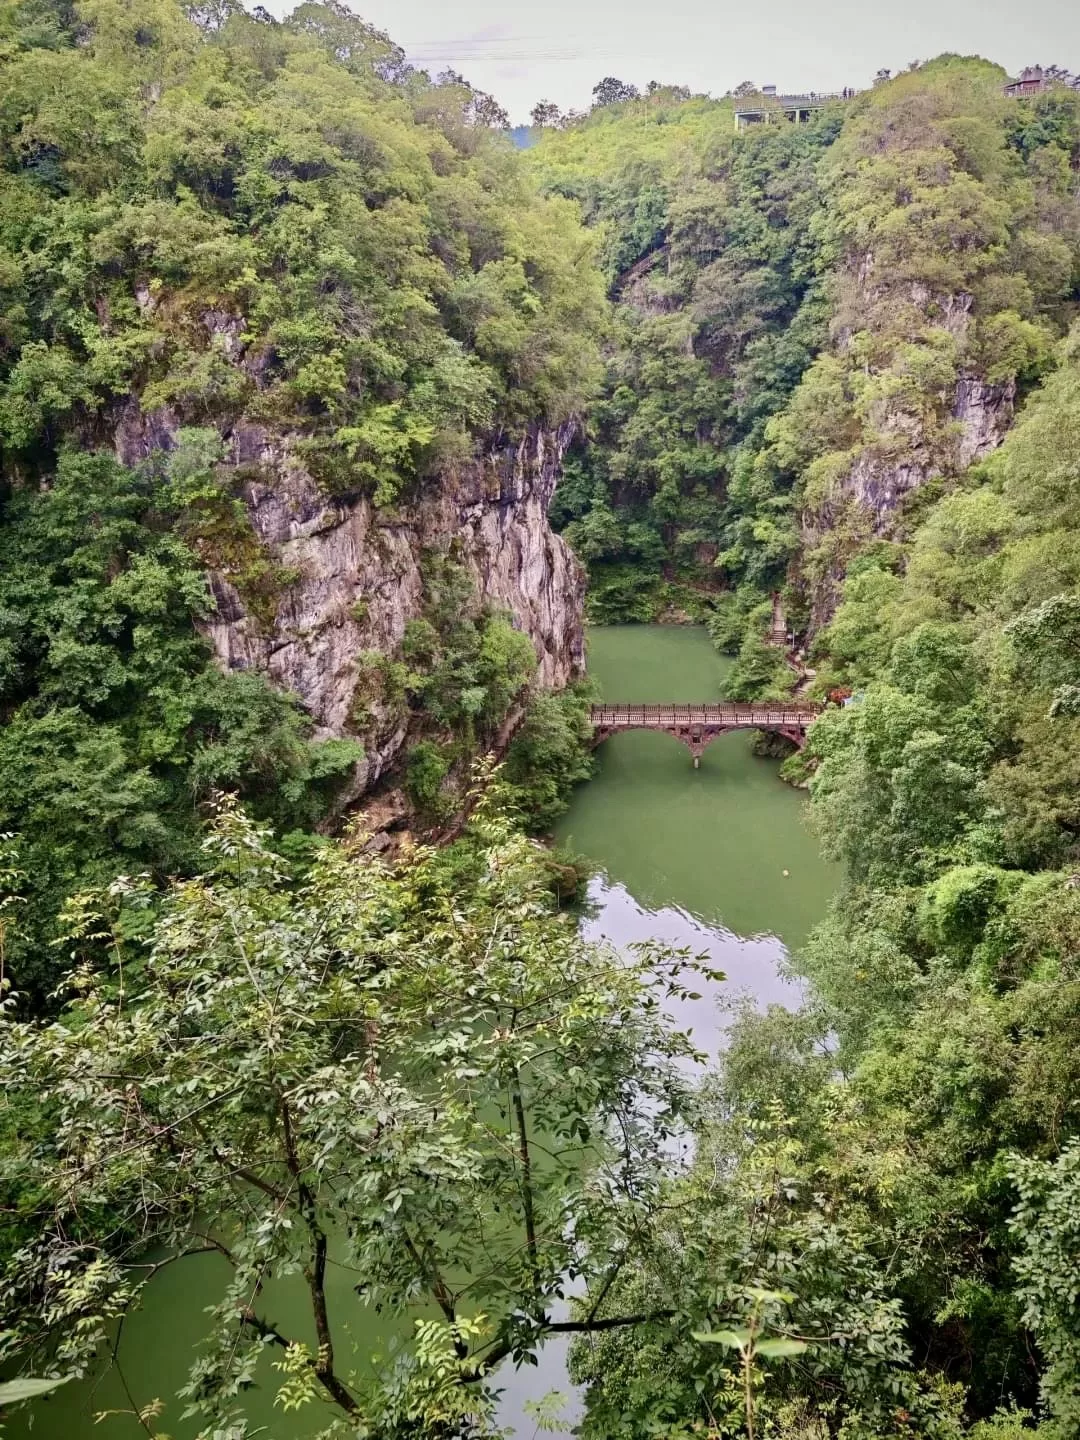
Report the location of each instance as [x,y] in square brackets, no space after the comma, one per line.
[730,716]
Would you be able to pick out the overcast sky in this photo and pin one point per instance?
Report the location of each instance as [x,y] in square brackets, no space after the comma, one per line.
[558,49]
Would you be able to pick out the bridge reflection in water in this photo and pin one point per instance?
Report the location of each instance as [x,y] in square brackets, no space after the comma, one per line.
[697,725]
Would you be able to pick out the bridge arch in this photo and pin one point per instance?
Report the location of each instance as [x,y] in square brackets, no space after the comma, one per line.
[697,726]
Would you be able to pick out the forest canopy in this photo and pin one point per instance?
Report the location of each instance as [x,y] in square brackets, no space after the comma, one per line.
[219,233]
[826,371]
[799,308]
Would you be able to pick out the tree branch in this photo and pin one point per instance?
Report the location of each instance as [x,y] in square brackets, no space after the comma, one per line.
[315,1273]
[609,1280]
[326,1378]
[250,1178]
[504,1348]
[443,1296]
[526,1184]
[615,1322]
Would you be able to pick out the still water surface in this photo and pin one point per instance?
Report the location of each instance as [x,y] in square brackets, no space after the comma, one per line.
[718,859]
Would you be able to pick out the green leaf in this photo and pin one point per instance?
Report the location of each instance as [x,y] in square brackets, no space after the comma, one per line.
[773,1349]
[12,1391]
[733,1339]
[785,1297]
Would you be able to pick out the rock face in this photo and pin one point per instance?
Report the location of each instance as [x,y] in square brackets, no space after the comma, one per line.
[980,416]
[906,441]
[883,475]
[358,570]
[984,413]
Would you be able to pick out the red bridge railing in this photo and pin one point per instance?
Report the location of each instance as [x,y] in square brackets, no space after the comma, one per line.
[727,716]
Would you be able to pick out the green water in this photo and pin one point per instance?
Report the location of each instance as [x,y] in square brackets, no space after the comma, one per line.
[697,858]
[719,858]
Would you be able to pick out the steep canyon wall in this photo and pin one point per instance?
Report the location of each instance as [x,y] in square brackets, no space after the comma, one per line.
[358,569]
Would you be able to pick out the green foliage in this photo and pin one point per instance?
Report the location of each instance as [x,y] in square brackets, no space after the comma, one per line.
[461,673]
[300,230]
[623,593]
[611,91]
[550,754]
[931,226]
[215,227]
[862,1156]
[760,671]
[12,1392]
[223,235]
[763,1270]
[949,259]
[734,613]
[426,768]
[1047,639]
[704,237]
[753,1343]
[957,907]
[360,1070]
[470,665]
[379,695]
[1047,1221]
[212,518]
[974,644]
[117,725]
[928,1124]
[943,1127]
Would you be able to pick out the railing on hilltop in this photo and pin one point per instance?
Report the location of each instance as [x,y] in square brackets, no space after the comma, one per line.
[814,97]
[767,104]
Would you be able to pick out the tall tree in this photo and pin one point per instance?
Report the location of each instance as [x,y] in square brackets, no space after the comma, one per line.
[545,114]
[611,91]
[422,1074]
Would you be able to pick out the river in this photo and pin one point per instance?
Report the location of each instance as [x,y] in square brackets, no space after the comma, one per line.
[718,859]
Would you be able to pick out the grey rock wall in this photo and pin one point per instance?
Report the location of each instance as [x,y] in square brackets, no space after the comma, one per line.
[905,449]
[359,569]
[980,416]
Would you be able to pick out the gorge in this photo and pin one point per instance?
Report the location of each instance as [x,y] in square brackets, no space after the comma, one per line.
[366,1031]
[741,880]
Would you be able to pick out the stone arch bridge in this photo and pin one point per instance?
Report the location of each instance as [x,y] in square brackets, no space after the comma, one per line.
[698,725]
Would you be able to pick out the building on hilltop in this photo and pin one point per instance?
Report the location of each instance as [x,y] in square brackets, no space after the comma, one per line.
[761,107]
[1034,80]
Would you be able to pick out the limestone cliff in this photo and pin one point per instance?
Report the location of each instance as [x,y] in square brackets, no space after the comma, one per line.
[949,428]
[881,477]
[358,574]
[906,429]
